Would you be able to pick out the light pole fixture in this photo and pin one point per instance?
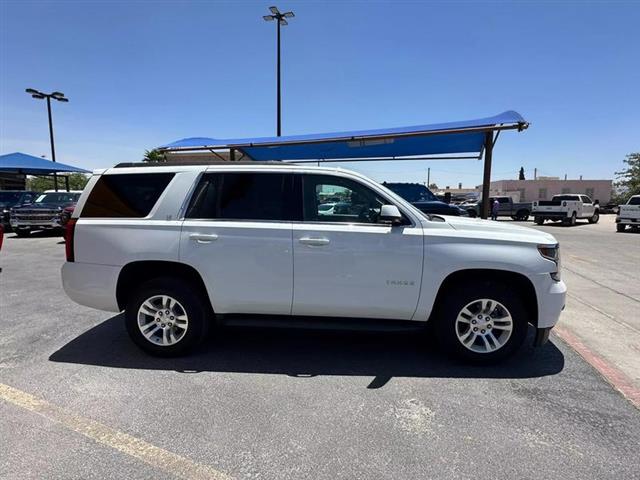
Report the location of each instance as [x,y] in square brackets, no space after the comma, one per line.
[281,20]
[59,96]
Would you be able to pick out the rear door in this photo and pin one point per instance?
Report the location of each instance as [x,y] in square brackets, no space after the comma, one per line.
[346,263]
[237,234]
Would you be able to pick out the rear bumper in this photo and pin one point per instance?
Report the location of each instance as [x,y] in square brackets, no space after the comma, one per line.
[550,214]
[628,221]
[91,285]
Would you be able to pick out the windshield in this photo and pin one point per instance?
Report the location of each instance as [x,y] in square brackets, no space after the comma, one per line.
[412,192]
[60,198]
[9,197]
[634,201]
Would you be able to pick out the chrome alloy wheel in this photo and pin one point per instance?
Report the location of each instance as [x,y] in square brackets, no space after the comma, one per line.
[484,325]
[162,320]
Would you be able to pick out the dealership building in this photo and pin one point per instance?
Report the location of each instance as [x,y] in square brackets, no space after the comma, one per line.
[543,188]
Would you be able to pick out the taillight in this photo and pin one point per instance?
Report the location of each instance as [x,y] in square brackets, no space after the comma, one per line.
[1,235]
[70,230]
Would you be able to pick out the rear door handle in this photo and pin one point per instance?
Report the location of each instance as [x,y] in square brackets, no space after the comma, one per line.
[202,238]
[314,241]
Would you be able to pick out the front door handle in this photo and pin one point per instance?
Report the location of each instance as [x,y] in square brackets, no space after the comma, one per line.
[314,241]
[202,238]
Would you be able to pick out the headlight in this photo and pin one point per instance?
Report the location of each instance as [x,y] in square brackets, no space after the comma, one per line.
[552,252]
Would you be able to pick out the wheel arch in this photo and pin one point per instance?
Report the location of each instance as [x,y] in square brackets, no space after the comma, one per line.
[137,272]
[466,276]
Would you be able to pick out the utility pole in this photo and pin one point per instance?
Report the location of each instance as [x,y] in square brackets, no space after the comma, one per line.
[281,20]
[428,176]
[59,96]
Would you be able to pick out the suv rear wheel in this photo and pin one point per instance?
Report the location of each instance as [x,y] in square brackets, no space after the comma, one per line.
[482,323]
[166,317]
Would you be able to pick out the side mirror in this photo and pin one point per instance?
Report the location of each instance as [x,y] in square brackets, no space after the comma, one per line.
[390,214]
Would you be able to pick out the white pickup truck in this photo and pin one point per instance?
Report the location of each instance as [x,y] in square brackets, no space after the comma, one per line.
[629,214]
[181,247]
[566,208]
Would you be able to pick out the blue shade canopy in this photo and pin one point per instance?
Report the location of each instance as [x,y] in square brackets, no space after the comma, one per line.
[465,136]
[28,164]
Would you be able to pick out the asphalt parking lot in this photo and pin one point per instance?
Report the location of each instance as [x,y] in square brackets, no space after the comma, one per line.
[78,400]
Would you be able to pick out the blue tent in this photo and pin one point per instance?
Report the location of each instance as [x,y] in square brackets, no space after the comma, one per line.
[474,138]
[29,165]
[466,136]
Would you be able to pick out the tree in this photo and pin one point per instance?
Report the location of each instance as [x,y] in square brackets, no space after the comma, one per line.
[154,155]
[77,181]
[521,174]
[629,178]
[433,186]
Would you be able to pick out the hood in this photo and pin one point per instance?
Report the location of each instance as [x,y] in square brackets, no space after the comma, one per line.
[490,229]
[42,206]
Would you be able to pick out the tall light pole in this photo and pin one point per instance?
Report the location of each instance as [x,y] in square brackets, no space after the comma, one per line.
[281,20]
[59,96]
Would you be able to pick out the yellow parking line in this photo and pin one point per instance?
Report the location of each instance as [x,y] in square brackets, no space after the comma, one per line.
[155,456]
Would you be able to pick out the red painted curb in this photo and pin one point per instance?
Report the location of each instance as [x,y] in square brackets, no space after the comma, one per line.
[618,379]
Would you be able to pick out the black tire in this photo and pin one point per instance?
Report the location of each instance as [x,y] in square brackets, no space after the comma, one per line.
[22,232]
[571,220]
[514,217]
[595,217]
[620,227]
[472,213]
[194,304]
[523,215]
[539,220]
[456,299]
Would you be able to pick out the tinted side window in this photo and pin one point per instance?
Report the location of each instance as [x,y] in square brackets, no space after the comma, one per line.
[127,195]
[242,196]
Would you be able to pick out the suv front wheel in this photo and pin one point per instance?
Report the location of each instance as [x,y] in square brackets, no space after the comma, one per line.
[483,322]
[166,317]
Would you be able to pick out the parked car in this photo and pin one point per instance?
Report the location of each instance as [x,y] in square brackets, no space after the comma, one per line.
[508,208]
[566,208]
[629,214]
[609,208]
[10,199]
[423,199]
[66,213]
[43,214]
[171,246]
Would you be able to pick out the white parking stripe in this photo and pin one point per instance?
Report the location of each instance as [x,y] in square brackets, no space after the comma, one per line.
[157,457]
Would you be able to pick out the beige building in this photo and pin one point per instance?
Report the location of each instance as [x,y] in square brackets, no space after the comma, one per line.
[545,188]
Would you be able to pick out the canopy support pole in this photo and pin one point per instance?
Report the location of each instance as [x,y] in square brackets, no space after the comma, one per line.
[486,180]
[66,182]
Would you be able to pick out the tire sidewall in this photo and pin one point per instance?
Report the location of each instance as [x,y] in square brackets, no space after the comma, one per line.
[192,303]
[454,301]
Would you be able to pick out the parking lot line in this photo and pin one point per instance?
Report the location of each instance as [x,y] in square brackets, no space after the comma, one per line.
[613,375]
[157,457]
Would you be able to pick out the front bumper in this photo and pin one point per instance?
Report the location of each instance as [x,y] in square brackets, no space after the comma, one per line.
[551,299]
[35,224]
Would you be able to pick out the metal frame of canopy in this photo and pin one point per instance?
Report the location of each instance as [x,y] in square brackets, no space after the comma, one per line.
[490,130]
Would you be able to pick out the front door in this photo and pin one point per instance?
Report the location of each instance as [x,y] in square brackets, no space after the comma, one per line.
[347,263]
[237,234]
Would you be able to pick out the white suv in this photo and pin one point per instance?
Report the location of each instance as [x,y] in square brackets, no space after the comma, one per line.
[174,245]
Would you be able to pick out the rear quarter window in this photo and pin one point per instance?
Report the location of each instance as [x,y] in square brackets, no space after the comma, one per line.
[126,195]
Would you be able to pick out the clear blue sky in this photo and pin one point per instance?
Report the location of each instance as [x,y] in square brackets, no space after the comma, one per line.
[143,73]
